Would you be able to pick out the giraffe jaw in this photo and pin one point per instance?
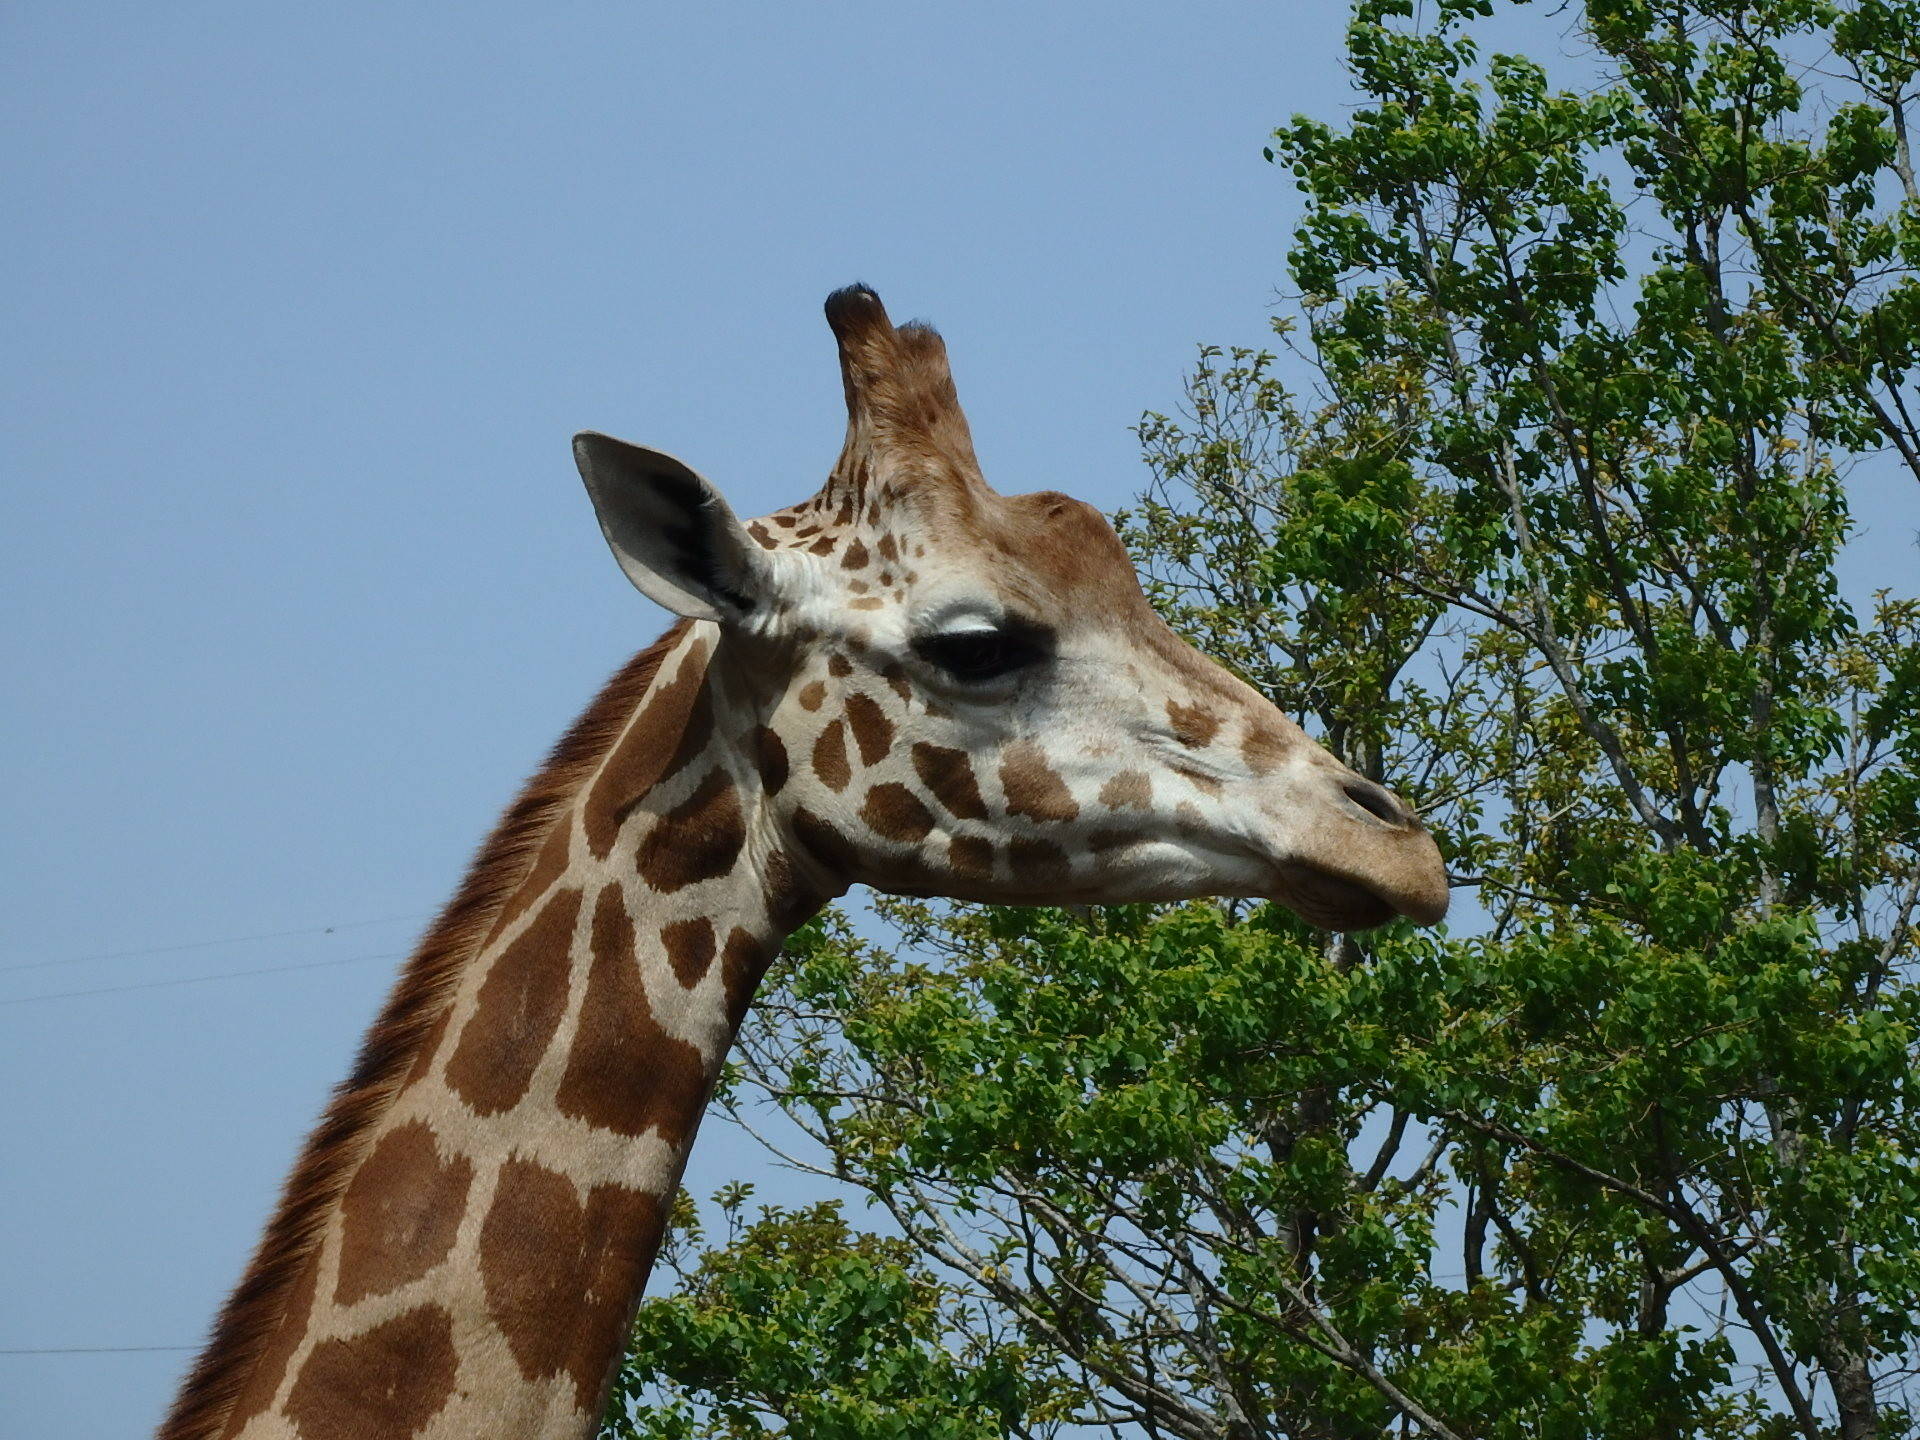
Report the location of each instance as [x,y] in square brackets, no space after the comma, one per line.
[1323,896]
[1330,902]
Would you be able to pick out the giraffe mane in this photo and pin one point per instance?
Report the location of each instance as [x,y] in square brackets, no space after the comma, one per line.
[219,1378]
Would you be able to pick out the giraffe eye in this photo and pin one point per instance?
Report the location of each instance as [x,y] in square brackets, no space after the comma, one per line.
[976,656]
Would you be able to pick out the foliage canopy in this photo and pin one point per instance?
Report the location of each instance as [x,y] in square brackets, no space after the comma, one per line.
[1539,517]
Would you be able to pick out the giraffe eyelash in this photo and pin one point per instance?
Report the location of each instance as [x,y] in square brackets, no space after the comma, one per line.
[976,655]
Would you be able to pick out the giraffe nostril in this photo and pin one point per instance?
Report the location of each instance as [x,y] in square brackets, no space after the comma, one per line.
[1377,801]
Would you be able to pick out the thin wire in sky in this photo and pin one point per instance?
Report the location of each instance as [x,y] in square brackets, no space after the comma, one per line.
[95,1349]
[209,944]
[204,979]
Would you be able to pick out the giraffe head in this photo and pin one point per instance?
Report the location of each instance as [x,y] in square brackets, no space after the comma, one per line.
[961,693]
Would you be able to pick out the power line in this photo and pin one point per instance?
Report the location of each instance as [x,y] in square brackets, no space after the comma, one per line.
[209,944]
[203,979]
[97,1349]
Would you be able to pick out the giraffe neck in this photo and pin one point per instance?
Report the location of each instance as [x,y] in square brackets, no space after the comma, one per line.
[472,1262]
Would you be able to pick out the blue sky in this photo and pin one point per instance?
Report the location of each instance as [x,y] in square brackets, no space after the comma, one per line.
[304,303]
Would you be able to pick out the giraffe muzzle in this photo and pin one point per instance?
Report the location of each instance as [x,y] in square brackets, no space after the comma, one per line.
[1368,860]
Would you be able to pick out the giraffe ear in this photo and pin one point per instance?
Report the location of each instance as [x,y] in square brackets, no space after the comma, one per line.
[671,531]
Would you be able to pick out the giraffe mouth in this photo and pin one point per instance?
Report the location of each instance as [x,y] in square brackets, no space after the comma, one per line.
[1330,901]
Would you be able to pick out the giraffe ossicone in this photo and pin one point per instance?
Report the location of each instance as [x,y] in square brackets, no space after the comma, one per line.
[907,681]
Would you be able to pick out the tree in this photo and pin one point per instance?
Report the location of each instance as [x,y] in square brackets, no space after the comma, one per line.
[1539,517]
[843,1335]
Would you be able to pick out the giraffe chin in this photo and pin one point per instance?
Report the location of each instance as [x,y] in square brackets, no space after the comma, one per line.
[1326,900]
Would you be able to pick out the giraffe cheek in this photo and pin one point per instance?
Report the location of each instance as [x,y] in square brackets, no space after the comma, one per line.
[894,813]
[948,776]
[830,757]
[822,840]
[971,858]
[1039,866]
[1129,790]
[872,730]
[1033,787]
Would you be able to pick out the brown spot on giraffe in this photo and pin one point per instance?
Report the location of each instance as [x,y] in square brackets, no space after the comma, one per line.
[761,536]
[971,856]
[907,871]
[1200,778]
[896,678]
[1033,787]
[677,719]
[855,557]
[839,666]
[699,839]
[824,545]
[400,1213]
[872,731]
[889,549]
[866,602]
[742,963]
[819,838]
[624,1073]
[389,1381]
[1129,790]
[518,1010]
[1265,750]
[1193,725]
[1038,863]
[561,1274]
[830,757]
[790,902]
[689,945]
[811,694]
[770,758]
[893,811]
[548,866]
[948,773]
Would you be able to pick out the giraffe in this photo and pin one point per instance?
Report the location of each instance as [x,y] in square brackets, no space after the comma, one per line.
[909,682]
